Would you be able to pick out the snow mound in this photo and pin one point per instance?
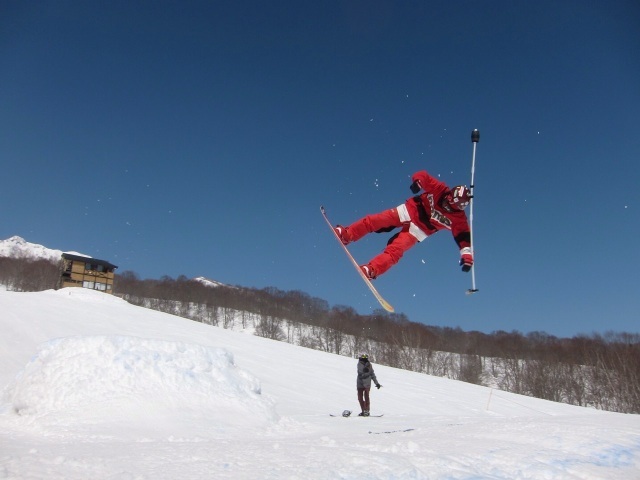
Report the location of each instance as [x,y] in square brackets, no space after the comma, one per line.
[109,375]
[96,297]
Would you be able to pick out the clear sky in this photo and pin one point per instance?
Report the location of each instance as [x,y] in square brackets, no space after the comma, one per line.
[200,138]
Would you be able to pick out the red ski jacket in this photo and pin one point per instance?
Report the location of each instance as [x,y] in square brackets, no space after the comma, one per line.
[427,211]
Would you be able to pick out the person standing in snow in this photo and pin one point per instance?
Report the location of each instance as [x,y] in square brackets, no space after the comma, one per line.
[365,376]
[437,208]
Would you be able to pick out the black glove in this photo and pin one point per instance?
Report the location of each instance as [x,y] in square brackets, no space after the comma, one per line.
[378,386]
[415,187]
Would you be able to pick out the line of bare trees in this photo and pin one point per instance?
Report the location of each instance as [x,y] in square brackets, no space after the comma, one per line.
[23,275]
[598,370]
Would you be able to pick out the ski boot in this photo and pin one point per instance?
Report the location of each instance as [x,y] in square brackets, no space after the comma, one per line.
[342,234]
[368,271]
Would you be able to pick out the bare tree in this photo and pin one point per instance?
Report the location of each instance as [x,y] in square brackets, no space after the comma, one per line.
[270,327]
[470,369]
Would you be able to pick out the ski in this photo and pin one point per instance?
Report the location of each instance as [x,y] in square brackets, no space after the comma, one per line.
[386,305]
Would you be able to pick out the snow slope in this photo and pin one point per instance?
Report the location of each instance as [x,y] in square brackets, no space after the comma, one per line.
[18,247]
[96,388]
[207,282]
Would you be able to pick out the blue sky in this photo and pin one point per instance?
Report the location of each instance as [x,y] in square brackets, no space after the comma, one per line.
[200,138]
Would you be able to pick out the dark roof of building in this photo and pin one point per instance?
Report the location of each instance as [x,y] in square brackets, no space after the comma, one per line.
[93,261]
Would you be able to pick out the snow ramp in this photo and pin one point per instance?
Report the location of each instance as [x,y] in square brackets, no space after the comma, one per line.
[94,377]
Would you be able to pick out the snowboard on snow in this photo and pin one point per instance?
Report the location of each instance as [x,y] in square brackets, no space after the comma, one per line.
[346,416]
[386,305]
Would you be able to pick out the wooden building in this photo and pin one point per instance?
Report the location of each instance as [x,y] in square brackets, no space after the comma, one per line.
[87,272]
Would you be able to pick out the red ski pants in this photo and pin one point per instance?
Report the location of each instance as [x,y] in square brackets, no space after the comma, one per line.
[363,399]
[384,222]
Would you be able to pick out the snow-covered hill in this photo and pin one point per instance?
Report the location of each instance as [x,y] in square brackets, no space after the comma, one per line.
[207,282]
[97,388]
[18,247]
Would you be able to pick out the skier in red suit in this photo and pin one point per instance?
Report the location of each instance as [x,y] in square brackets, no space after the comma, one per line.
[437,208]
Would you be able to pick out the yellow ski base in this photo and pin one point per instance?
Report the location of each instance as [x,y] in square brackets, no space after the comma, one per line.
[386,305]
